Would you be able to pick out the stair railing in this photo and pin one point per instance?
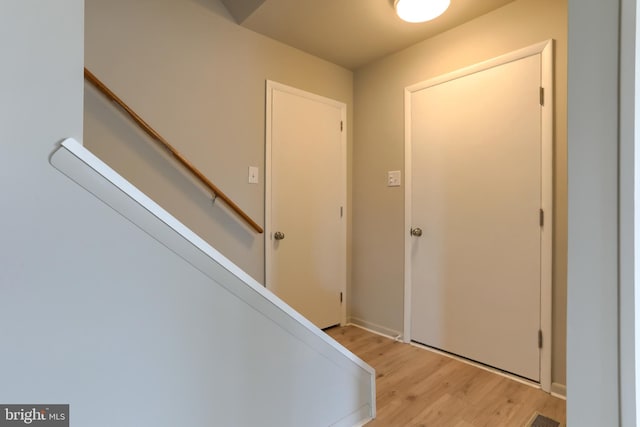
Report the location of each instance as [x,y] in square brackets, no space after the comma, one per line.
[215,191]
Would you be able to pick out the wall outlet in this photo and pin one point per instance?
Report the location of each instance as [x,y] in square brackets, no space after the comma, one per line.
[393,179]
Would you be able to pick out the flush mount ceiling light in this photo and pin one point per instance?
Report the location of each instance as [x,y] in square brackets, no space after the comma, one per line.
[420,10]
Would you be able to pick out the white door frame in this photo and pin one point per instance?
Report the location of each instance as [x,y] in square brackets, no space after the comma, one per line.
[268,252]
[545,49]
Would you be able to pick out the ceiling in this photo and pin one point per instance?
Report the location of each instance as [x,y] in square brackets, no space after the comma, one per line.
[350,33]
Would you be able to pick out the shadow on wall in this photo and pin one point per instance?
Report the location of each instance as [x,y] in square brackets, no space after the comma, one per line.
[128,150]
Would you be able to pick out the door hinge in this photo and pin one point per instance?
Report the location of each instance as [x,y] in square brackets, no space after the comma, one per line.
[341,125]
[541,218]
[340,296]
[539,338]
[541,95]
[341,211]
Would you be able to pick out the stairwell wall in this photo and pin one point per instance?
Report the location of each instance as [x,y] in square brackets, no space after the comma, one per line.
[98,314]
[198,78]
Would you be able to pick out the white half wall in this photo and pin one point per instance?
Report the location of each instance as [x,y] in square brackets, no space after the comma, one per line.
[593,383]
[629,164]
[129,329]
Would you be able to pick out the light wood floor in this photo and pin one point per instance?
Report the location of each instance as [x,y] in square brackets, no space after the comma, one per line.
[417,387]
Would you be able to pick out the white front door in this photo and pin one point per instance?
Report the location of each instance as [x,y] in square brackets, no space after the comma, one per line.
[476,198]
[306,193]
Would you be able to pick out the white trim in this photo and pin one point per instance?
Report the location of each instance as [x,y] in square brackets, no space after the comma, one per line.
[628,215]
[396,337]
[406,333]
[345,212]
[268,253]
[80,165]
[516,55]
[478,365]
[357,418]
[268,234]
[545,49]
[546,241]
[559,390]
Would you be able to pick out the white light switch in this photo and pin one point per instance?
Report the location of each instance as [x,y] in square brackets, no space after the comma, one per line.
[253,174]
[393,179]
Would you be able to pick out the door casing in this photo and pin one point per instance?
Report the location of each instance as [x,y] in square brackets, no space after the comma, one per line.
[272,86]
[545,49]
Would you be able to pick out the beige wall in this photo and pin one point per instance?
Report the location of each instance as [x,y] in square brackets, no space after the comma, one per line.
[199,80]
[378,211]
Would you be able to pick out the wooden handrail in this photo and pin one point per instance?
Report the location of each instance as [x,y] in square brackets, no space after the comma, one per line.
[217,193]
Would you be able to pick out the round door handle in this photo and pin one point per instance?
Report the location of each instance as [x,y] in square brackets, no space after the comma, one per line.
[278,235]
[416,232]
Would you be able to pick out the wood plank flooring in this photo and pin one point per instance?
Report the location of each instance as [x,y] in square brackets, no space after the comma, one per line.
[417,387]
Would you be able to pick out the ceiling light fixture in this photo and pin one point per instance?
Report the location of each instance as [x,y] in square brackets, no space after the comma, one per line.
[420,10]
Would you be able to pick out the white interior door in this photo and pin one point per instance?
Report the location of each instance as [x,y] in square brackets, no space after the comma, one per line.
[306,193]
[476,196]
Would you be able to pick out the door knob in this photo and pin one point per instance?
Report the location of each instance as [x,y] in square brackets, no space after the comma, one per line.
[278,235]
[416,232]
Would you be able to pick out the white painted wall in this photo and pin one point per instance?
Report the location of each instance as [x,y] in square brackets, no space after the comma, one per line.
[629,213]
[98,314]
[631,156]
[593,255]
[603,318]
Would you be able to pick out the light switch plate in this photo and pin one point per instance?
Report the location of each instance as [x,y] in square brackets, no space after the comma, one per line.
[393,179]
[253,174]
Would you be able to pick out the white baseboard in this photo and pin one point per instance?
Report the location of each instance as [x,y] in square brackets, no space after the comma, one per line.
[479,365]
[376,329]
[559,390]
[358,418]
